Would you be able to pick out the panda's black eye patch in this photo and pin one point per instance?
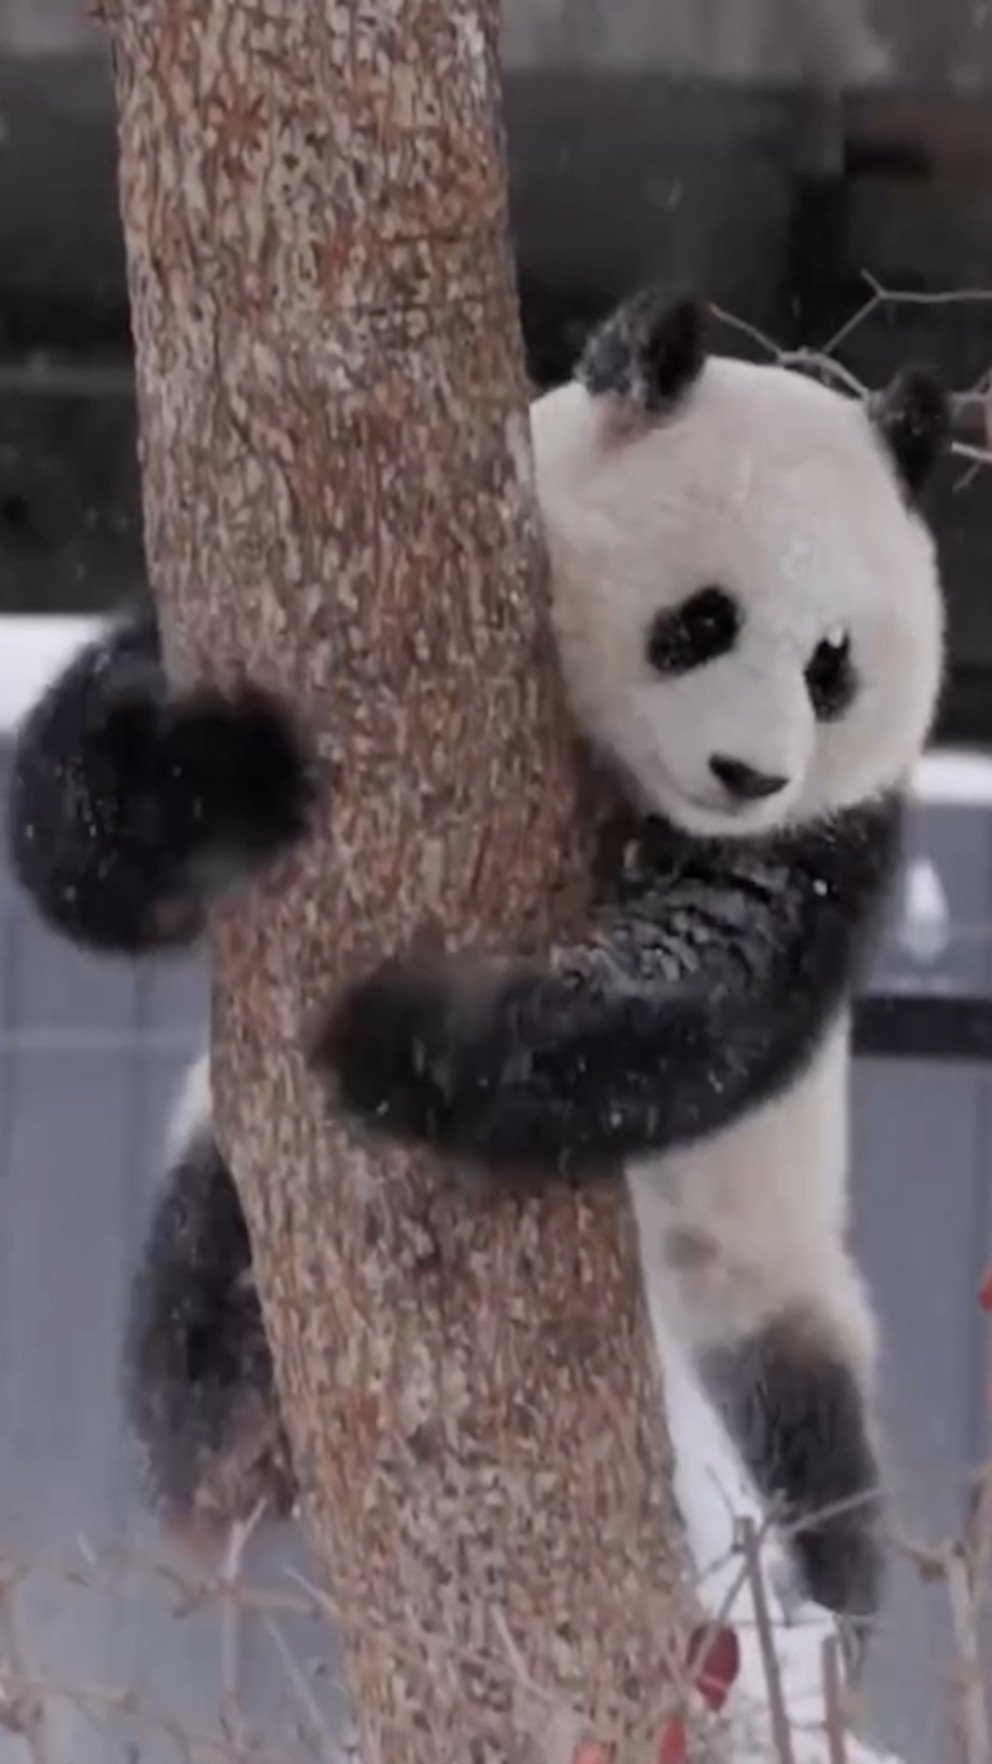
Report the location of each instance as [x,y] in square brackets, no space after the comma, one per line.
[830,677]
[684,637]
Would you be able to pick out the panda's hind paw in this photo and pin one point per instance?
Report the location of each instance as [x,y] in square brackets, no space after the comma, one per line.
[841,1563]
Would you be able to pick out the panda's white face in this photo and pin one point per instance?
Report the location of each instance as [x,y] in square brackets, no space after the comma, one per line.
[748,610]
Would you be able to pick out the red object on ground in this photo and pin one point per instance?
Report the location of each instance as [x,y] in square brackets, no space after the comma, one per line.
[671,1742]
[715,1656]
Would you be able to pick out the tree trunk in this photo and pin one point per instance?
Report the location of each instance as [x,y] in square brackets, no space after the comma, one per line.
[338,499]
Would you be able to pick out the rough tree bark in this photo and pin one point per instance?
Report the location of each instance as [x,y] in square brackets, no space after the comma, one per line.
[337,499]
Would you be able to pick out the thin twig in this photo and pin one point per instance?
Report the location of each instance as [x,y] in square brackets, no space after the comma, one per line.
[106,1701]
[823,360]
[231,1712]
[974,1715]
[746,330]
[23,1713]
[816,361]
[967,478]
[965,450]
[329,1751]
[781,1733]
[839,1509]
[852,324]
[833,1700]
[925,296]
[978,1535]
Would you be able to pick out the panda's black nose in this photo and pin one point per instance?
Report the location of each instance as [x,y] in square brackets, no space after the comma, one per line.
[743,781]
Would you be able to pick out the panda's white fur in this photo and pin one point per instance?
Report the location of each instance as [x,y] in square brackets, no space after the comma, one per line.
[778,489]
[781,491]
[772,1239]
[191,1114]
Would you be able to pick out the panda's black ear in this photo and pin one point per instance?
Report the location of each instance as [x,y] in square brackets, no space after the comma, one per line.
[913,417]
[647,353]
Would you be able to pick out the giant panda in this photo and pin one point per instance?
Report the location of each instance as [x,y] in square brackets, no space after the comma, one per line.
[749,620]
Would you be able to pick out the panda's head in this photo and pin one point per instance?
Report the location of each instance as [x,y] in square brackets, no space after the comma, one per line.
[746,599]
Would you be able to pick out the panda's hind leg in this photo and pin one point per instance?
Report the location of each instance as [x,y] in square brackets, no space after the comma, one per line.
[777,1320]
[132,805]
[198,1384]
[794,1399]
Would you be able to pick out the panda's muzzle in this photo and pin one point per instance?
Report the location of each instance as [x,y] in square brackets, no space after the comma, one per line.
[744,782]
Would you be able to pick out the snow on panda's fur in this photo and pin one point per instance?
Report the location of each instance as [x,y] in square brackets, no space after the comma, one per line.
[750,624]
[739,577]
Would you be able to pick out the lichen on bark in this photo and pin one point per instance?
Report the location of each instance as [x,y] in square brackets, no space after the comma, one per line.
[338,501]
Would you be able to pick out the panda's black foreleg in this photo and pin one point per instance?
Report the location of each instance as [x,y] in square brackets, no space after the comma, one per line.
[795,1406]
[131,805]
[679,1005]
[198,1385]
[601,1055]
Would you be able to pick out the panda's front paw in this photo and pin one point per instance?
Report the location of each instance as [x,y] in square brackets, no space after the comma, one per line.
[391,1047]
[246,756]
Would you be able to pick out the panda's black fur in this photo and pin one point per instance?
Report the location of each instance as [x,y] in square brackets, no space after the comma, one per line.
[199,1388]
[710,974]
[702,988]
[130,806]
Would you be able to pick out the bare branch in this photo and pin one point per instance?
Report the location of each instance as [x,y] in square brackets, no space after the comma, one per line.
[781,1731]
[925,296]
[22,1711]
[230,1707]
[833,1701]
[964,450]
[327,1750]
[974,1723]
[852,324]
[747,330]
[968,408]
[106,1701]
